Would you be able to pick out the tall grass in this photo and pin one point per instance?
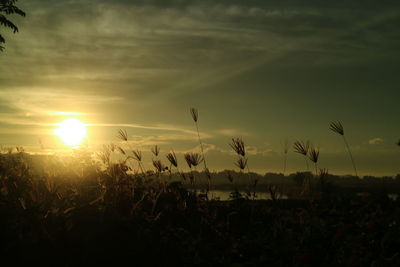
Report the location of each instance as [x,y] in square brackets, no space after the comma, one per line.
[285,152]
[195,116]
[193,160]
[121,217]
[337,127]
[314,156]
[302,148]
[239,147]
[136,153]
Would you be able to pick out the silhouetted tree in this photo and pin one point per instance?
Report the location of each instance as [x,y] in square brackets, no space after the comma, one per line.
[7,7]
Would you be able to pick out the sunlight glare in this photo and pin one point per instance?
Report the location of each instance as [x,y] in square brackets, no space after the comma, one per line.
[72,132]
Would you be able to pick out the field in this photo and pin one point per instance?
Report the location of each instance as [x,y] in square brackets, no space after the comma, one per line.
[105,159]
[90,213]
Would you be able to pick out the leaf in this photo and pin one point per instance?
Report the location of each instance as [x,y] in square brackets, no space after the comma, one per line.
[5,22]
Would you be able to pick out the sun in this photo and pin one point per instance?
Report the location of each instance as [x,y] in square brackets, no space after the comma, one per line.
[72,132]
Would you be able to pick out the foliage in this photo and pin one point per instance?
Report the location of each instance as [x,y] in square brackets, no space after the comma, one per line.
[85,212]
[7,7]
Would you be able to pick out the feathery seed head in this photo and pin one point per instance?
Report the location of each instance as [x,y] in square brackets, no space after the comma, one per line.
[172,158]
[155,150]
[196,159]
[238,146]
[159,166]
[337,127]
[105,154]
[122,135]
[301,147]
[121,150]
[112,147]
[193,159]
[241,163]
[188,159]
[137,155]
[314,154]
[194,113]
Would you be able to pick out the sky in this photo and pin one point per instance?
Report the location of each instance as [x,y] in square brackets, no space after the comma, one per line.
[266,71]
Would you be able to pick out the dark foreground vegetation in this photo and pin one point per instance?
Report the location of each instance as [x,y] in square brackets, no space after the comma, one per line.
[73,212]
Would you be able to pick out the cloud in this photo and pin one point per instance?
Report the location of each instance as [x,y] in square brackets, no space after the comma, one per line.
[232,132]
[158,127]
[375,141]
[51,102]
[176,46]
[163,139]
[254,151]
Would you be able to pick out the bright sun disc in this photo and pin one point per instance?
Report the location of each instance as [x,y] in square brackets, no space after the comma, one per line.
[71,131]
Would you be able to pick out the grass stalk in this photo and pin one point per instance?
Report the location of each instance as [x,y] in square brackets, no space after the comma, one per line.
[337,127]
[350,154]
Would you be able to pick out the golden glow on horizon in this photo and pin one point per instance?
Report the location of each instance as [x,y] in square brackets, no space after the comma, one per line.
[72,132]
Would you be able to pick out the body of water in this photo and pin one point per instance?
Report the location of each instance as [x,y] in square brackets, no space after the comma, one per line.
[225,194]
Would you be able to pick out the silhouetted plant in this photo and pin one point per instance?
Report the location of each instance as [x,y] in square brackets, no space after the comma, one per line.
[137,155]
[105,155]
[323,173]
[172,159]
[122,134]
[313,156]
[302,148]
[234,194]
[275,192]
[192,160]
[195,115]
[7,7]
[337,127]
[285,152]
[230,177]
[188,159]
[121,150]
[159,166]
[155,150]
[241,163]
[238,146]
